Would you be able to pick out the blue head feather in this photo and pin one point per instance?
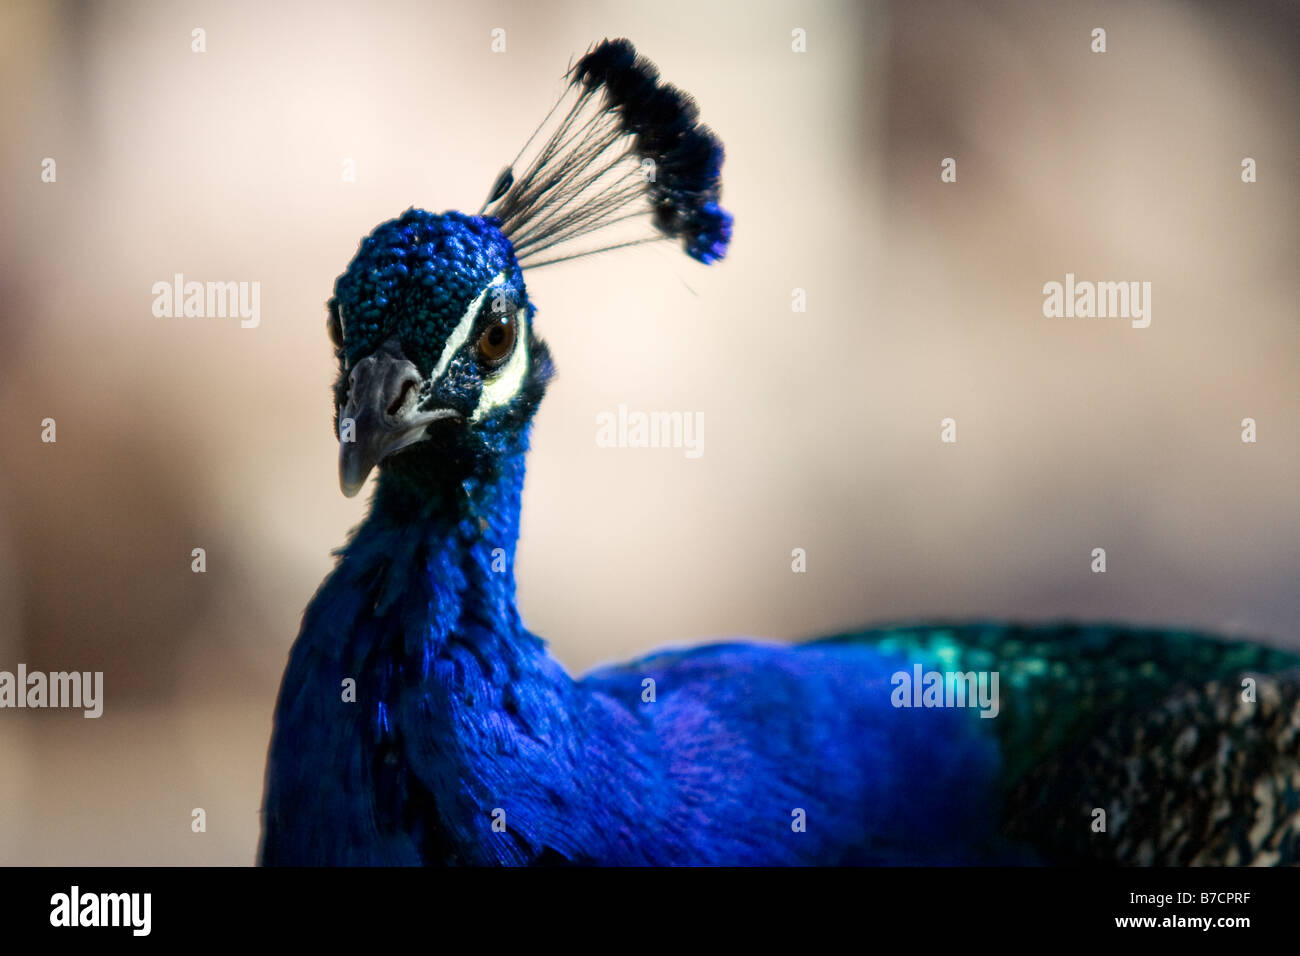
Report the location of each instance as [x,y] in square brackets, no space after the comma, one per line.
[413,277]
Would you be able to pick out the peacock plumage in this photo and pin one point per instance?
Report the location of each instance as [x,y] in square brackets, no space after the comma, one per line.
[420,722]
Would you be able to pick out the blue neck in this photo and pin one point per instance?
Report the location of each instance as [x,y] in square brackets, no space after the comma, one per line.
[438,562]
[450,666]
[457,705]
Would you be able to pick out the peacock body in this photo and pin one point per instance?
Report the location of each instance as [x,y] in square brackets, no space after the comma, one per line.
[420,722]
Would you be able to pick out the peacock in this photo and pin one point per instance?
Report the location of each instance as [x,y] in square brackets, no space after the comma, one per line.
[420,722]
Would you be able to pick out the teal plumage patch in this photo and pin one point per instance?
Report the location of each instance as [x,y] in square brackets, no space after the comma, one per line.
[1188,742]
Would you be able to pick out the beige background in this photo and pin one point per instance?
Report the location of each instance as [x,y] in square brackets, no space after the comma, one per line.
[821,429]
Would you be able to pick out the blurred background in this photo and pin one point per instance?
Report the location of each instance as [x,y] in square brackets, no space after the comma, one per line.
[924,301]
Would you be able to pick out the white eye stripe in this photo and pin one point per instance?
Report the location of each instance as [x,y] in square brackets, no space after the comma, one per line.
[504,385]
[460,334]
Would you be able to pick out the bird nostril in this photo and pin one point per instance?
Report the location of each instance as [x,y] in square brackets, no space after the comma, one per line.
[400,400]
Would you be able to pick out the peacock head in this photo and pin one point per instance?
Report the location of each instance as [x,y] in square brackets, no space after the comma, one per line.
[439,369]
[432,329]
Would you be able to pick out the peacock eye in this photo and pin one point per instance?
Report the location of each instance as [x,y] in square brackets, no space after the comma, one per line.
[497,341]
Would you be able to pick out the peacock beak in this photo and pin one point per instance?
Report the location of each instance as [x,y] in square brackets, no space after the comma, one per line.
[382,414]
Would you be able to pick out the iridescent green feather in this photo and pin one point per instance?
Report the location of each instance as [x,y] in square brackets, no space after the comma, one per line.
[1063,683]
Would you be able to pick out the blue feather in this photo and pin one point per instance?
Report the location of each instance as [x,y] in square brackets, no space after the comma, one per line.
[738,741]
